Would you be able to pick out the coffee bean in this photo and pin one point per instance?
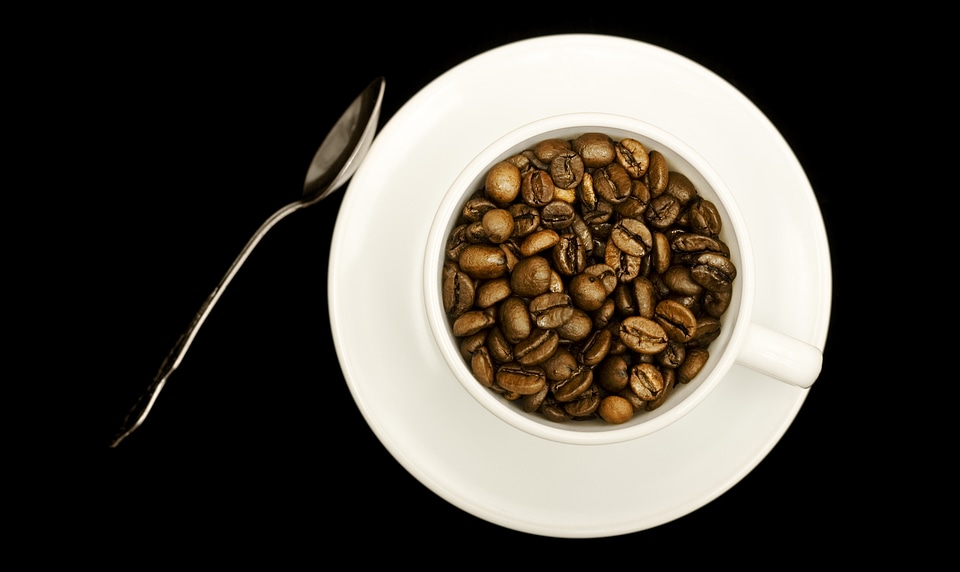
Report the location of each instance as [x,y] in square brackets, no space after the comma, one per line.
[714,272]
[514,319]
[502,184]
[695,361]
[574,386]
[646,381]
[551,310]
[567,169]
[632,237]
[596,149]
[522,380]
[458,291]
[537,188]
[633,156]
[483,261]
[643,335]
[677,321]
[615,409]
[537,347]
[658,173]
[531,276]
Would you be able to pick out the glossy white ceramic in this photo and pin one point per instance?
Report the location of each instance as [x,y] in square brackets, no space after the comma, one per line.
[403,386]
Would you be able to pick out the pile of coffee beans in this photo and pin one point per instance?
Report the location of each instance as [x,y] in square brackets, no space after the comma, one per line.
[586,278]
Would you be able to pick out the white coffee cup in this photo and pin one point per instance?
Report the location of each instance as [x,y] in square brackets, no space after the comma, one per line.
[742,341]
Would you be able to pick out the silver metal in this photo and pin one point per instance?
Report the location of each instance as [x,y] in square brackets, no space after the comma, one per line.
[334,163]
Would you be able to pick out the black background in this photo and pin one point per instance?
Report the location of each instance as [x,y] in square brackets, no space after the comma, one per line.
[191,132]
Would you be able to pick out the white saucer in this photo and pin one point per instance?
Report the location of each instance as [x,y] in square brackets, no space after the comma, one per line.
[434,428]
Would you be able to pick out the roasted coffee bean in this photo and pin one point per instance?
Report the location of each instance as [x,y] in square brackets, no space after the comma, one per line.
[677,320]
[569,255]
[673,356]
[457,242]
[533,401]
[708,329]
[585,405]
[632,237]
[603,316]
[680,187]
[696,243]
[585,268]
[662,211]
[679,280]
[580,228]
[514,319]
[553,411]
[645,296]
[499,347]
[615,409]
[537,188]
[526,219]
[716,303]
[567,169]
[482,366]
[577,328]
[588,292]
[502,184]
[557,215]
[574,386]
[633,156]
[520,379]
[587,193]
[492,292]
[551,310]
[643,335]
[646,381]
[703,217]
[498,225]
[545,151]
[658,173]
[624,301]
[625,265]
[539,241]
[483,261]
[612,183]
[613,373]
[537,347]
[472,322]
[596,149]
[595,348]
[691,366]
[531,276]
[470,344]
[660,254]
[561,365]
[458,290]
[714,272]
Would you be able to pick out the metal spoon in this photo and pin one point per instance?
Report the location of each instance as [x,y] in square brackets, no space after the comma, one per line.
[335,162]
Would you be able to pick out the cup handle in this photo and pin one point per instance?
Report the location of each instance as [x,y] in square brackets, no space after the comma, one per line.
[780,356]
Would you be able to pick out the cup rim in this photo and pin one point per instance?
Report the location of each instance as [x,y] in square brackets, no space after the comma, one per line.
[503,147]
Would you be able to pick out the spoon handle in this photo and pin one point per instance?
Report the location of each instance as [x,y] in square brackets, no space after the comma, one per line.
[141,408]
